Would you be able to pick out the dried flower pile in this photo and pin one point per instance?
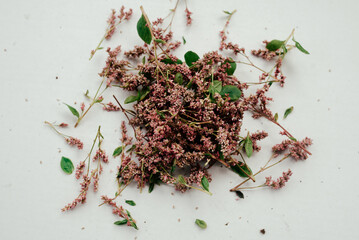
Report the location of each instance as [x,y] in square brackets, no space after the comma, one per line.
[187,116]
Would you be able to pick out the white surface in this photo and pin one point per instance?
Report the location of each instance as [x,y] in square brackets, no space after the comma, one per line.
[45,39]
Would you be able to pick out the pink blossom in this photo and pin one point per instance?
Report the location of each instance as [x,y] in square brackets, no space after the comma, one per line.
[75,142]
[80,169]
[280,182]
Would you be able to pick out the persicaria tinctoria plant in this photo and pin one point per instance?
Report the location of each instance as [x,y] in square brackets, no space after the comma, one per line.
[187,114]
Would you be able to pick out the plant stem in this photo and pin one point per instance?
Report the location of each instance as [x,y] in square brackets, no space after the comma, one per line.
[261,170]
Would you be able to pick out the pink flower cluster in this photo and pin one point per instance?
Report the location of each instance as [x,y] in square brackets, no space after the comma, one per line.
[75,142]
[117,210]
[280,182]
[110,107]
[188,16]
[257,137]
[82,197]
[297,149]
[112,20]
[63,125]
[101,154]
[80,169]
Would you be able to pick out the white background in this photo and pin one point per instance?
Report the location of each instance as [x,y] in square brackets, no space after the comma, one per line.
[44,39]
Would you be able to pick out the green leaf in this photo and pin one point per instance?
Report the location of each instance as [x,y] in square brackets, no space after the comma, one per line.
[205,183]
[98,100]
[181,180]
[248,146]
[130,202]
[191,57]
[73,110]
[274,45]
[128,213]
[226,12]
[184,40]
[300,48]
[162,115]
[233,92]
[239,194]
[131,148]
[117,151]
[159,41]
[151,187]
[143,30]
[143,93]
[144,60]
[134,225]
[232,68]
[100,48]
[284,49]
[241,169]
[292,138]
[202,224]
[121,222]
[288,111]
[154,179]
[170,61]
[66,165]
[178,78]
[276,117]
[215,87]
[131,99]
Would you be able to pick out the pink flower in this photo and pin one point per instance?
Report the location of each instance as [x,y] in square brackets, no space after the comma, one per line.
[80,169]
[75,142]
[188,16]
[280,182]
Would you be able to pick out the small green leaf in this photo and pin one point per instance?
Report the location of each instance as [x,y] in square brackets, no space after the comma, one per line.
[226,12]
[143,60]
[205,183]
[143,93]
[300,48]
[117,151]
[154,179]
[134,225]
[160,41]
[131,99]
[178,78]
[66,165]
[241,169]
[131,148]
[151,187]
[170,61]
[284,49]
[274,45]
[276,117]
[128,213]
[292,138]
[184,40]
[232,91]
[181,180]
[288,111]
[73,110]
[190,58]
[162,115]
[121,222]
[98,100]
[130,202]
[248,146]
[100,48]
[202,224]
[232,68]
[143,30]
[239,194]
[215,87]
